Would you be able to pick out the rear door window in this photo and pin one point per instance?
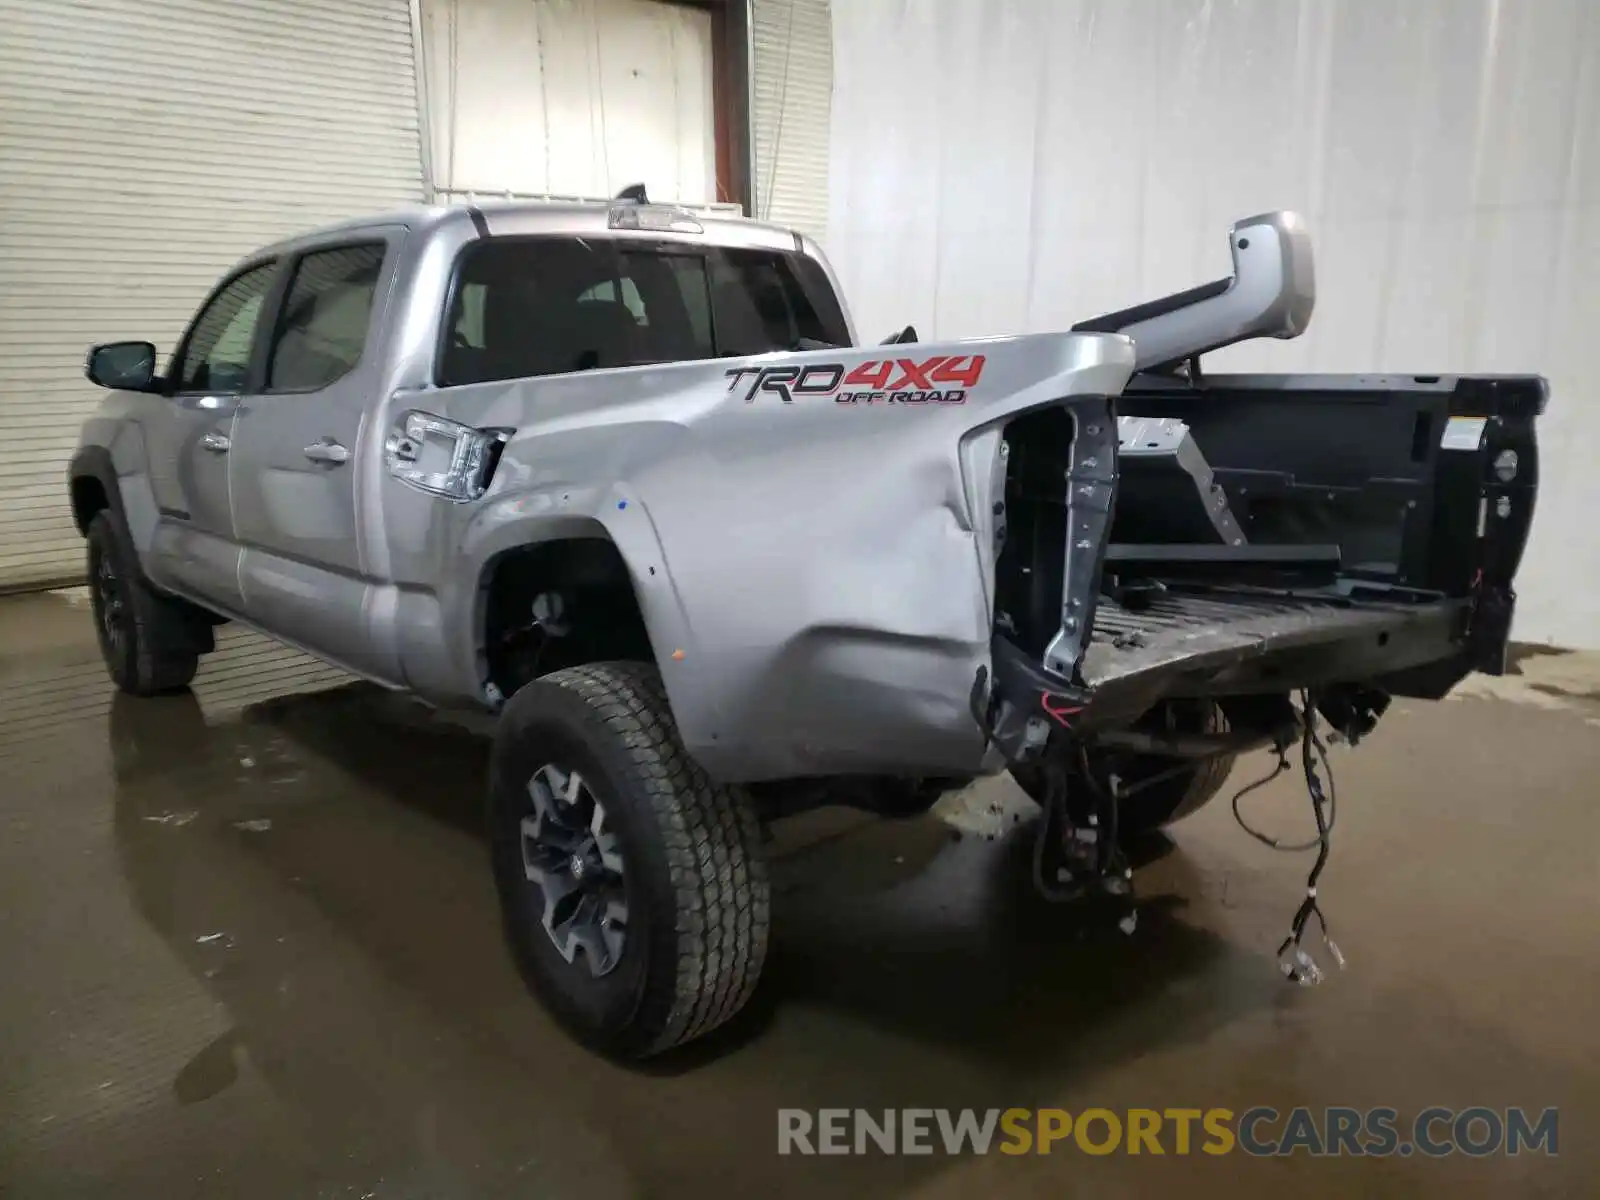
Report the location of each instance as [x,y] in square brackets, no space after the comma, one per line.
[323,329]
[525,307]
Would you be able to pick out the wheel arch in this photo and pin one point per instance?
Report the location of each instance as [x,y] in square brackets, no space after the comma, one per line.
[94,483]
[563,575]
[601,558]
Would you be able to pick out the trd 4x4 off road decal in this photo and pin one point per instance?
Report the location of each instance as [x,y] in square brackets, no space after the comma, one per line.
[943,379]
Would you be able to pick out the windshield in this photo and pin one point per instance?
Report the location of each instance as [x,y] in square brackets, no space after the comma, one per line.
[543,306]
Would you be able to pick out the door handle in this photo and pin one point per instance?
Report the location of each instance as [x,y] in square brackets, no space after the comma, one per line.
[217,443]
[328,452]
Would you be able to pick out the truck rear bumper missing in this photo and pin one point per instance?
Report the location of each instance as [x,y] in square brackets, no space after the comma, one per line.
[1200,644]
[1203,643]
[1256,537]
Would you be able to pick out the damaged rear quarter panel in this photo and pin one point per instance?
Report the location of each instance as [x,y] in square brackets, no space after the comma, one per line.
[825,567]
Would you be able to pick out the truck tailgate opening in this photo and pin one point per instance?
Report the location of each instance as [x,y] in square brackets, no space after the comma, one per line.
[1264,534]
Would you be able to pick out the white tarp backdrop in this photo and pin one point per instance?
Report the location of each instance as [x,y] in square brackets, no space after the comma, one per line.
[1017,165]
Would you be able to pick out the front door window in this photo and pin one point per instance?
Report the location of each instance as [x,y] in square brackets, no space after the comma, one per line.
[216,356]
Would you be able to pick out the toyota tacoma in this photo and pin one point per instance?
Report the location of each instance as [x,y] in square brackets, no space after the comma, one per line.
[623,476]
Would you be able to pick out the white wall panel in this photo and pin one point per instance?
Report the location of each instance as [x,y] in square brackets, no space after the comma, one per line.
[1070,157]
[570,97]
[791,60]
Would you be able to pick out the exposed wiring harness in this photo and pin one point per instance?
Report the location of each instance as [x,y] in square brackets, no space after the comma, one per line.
[1055,812]
[1094,850]
[1093,855]
[1293,959]
[1283,765]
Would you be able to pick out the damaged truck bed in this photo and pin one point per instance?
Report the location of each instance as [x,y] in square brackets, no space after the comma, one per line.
[1388,581]
[1261,534]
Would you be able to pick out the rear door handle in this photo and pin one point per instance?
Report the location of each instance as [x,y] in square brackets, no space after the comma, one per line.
[328,452]
[217,443]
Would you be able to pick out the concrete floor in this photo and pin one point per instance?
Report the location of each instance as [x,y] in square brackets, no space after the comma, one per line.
[249,948]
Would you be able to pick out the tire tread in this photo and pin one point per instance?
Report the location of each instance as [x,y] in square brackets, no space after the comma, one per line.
[156,665]
[711,839]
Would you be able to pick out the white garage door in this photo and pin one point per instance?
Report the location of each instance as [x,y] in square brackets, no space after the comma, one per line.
[791,101]
[570,98]
[146,144]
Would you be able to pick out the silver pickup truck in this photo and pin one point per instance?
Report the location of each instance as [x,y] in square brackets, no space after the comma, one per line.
[624,476]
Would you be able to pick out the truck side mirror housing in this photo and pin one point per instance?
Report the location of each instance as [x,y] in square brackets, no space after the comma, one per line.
[123,366]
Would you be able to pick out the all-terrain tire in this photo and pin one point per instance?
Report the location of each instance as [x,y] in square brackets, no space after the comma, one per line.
[150,644]
[698,900]
[1191,791]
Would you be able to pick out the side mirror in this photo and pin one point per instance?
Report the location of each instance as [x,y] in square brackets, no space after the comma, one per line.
[123,366]
[904,337]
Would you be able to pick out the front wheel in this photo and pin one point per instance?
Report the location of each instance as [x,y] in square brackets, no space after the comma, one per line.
[632,888]
[148,643]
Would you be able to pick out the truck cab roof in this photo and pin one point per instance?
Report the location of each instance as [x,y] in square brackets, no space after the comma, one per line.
[513,218]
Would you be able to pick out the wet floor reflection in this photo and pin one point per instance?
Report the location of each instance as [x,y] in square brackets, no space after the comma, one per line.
[316,863]
[259,956]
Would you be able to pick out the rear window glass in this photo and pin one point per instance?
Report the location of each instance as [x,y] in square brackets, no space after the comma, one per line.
[545,306]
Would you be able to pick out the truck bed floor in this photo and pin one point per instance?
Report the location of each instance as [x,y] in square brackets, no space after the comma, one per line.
[1203,634]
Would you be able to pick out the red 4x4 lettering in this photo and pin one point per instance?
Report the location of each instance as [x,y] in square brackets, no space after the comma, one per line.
[914,375]
[871,375]
[962,370]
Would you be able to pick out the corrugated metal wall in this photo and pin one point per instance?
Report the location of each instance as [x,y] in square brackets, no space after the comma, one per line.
[146,144]
[791,96]
[1071,157]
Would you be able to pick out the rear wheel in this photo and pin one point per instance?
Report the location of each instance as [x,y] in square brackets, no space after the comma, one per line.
[150,644]
[1160,790]
[633,890]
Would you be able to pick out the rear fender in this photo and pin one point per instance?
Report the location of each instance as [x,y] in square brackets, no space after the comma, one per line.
[834,548]
[811,536]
